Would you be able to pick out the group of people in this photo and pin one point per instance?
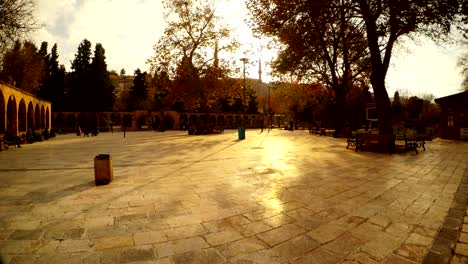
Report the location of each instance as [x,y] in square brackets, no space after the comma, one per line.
[30,136]
[85,132]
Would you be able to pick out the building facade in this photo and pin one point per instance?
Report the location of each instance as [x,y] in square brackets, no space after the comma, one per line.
[454,116]
[20,111]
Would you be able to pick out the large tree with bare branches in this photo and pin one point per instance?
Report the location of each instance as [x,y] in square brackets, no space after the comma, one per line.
[187,52]
[16,20]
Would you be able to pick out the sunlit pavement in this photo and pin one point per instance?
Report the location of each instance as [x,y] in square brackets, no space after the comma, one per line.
[275,197]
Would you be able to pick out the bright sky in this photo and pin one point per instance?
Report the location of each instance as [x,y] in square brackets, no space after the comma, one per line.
[128,29]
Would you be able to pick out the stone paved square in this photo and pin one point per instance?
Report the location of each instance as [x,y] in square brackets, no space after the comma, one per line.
[275,197]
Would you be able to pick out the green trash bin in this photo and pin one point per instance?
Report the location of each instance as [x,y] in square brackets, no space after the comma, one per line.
[241,133]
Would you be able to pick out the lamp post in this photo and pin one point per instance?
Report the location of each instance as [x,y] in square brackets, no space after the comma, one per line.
[242,130]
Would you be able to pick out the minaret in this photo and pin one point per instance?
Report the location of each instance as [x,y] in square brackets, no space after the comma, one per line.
[260,90]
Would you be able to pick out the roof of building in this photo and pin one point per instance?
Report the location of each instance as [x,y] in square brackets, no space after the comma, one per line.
[451,97]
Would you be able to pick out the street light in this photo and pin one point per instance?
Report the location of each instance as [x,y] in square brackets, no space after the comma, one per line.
[244,60]
[242,129]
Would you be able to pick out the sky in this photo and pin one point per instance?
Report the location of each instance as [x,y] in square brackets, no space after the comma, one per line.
[128,30]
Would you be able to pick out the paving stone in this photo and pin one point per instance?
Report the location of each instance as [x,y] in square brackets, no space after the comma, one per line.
[327,232]
[463,238]
[343,245]
[23,259]
[281,234]
[260,257]
[318,256]
[199,257]
[457,259]
[294,248]
[70,246]
[26,235]
[134,254]
[420,240]
[175,247]
[113,242]
[461,249]
[150,237]
[241,248]
[412,252]
[394,259]
[185,231]
[278,220]
[361,257]
[223,237]
[254,228]
[381,247]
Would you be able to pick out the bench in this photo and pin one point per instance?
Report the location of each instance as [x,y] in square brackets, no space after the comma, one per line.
[410,141]
[7,141]
[385,142]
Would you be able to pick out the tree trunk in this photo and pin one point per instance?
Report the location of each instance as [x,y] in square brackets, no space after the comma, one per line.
[384,110]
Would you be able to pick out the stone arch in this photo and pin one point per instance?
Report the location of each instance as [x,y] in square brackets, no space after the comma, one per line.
[37,118]
[127,120]
[12,116]
[116,119]
[193,120]
[47,116]
[213,121]
[71,121]
[168,122]
[141,121]
[183,121]
[2,113]
[156,122]
[229,121]
[238,121]
[221,120]
[30,116]
[103,123]
[22,117]
[202,120]
[59,121]
[42,117]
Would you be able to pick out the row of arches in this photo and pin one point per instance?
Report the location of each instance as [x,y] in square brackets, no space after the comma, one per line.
[228,121]
[20,112]
[68,122]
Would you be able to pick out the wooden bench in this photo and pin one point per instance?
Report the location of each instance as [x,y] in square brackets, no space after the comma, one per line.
[385,142]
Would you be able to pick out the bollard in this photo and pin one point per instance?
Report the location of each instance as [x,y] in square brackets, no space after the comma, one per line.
[103,169]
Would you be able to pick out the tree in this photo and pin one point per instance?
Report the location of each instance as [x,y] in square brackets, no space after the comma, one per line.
[102,89]
[23,67]
[53,80]
[139,91]
[383,22]
[317,45]
[193,30]
[79,79]
[16,20]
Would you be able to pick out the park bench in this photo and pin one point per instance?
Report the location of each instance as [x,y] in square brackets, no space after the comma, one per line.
[379,142]
[352,139]
[408,141]
[8,140]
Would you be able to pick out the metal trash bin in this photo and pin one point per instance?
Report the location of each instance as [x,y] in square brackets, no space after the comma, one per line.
[241,133]
[103,169]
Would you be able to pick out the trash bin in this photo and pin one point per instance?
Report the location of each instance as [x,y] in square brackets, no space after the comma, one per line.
[241,133]
[103,169]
